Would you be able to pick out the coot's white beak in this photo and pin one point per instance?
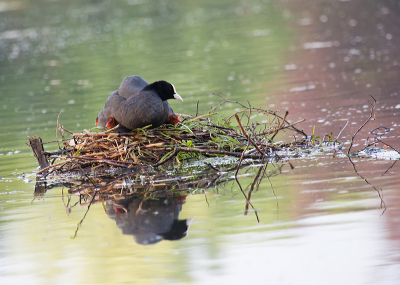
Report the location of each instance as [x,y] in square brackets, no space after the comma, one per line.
[176,96]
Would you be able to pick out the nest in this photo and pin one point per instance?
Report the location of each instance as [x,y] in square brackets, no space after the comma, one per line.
[237,135]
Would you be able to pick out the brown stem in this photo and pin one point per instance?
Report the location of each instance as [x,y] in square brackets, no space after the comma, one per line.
[371,115]
[213,151]
[280,125]
[247,136]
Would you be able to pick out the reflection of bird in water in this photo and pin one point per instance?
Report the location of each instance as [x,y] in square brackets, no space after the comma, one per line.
[150,221]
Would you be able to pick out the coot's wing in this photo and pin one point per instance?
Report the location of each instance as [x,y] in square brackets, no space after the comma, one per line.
[143,109]
[131,85]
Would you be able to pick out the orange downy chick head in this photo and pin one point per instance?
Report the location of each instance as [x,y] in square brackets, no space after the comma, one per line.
[111,123]
[173,119]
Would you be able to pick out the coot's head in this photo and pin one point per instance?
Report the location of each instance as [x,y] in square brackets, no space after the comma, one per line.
[111,123]
[164,89]
[173,119]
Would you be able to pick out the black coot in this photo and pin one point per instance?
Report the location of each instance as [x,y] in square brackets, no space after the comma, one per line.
[130,86]
[143,108]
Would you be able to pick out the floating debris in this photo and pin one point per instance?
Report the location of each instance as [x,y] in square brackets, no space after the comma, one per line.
[378,153]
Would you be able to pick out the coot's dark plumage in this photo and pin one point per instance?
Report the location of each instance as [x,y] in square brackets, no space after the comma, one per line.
[112,122]
[145,107]
[129,86]
[141,110]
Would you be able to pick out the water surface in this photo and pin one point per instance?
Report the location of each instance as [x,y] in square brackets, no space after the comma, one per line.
[318,60]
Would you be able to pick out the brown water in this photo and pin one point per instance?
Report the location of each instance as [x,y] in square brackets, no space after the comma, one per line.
[319,60]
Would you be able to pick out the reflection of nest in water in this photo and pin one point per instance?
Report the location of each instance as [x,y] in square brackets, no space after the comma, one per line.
[115,185]
[195,179]
[149,211]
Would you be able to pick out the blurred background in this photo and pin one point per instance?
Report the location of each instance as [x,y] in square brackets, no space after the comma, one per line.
[319,60]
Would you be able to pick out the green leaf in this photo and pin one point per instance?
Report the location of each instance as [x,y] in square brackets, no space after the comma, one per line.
[232,139]
[162,158]
[77,153]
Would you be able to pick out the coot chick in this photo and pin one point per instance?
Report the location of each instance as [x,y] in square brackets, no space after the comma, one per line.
[144,108]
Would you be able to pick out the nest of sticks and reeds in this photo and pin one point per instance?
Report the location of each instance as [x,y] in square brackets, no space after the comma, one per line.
[197,137]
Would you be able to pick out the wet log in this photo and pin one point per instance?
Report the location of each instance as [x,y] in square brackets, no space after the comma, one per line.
[37,147]
[40,187]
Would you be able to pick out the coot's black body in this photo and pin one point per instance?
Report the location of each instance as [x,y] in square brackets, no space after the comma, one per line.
[137,104]
[145,107]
